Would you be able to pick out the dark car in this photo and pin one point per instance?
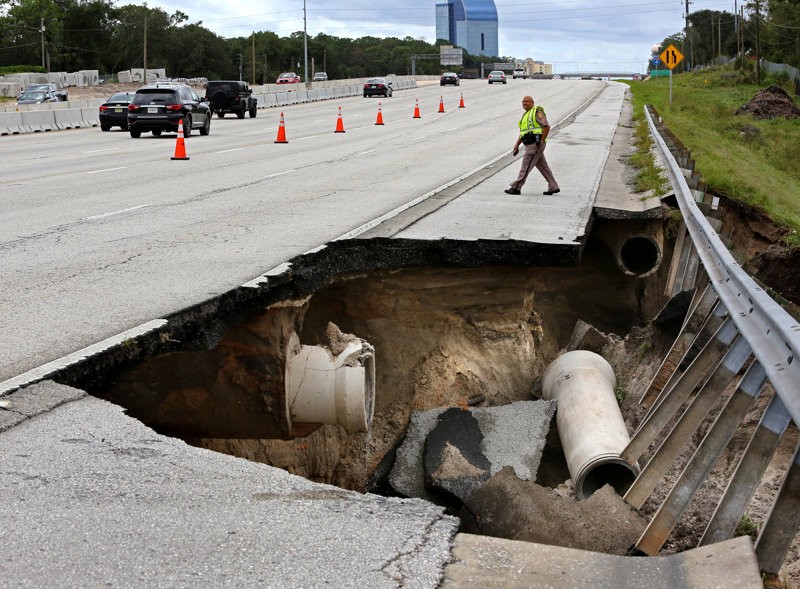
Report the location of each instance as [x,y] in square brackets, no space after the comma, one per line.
[161,107]
[449,78]
[59,95]
[378,87]
[36,97]
[114,111]
[226,96]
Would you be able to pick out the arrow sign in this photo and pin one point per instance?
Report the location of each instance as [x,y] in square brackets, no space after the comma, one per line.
[671,56]
[656,61]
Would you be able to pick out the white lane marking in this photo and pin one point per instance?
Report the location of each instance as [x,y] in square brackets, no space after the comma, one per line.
[229,150]
[102,150]
[363,152]
[106,170]
[309,137]
[279,174]
[119,212]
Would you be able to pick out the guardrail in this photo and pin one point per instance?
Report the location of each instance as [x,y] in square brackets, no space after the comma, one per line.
[735,340]
[54,116]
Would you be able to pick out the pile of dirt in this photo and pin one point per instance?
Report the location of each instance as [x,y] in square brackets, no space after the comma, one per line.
[770,103]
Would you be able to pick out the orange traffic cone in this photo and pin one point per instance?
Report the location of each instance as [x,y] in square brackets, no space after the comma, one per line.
[180,147]
[416,110]
[379,120]
[461,103]
[281,132]
[339,123]
[441,104]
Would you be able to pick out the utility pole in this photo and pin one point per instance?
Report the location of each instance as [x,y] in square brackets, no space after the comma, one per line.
[686,51]
[305,43]
[41,30]
[758,50]
[254,57]
[145,44]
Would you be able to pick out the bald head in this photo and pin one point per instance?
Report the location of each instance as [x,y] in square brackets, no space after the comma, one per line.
[527,102]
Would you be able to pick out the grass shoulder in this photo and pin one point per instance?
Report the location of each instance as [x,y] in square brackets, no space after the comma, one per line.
[740,157]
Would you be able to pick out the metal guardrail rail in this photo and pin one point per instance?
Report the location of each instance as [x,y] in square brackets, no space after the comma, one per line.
[734,339]
[773,334]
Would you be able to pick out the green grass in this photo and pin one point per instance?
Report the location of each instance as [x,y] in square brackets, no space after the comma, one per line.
[745,159]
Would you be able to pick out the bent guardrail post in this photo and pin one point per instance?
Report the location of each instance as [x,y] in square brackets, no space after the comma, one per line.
[706,454]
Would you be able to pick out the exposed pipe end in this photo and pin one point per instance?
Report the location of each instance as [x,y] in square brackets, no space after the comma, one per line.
[639,255]
[605,470]
[331,389]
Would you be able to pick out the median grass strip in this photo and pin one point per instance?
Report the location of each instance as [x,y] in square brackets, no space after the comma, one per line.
[746,159]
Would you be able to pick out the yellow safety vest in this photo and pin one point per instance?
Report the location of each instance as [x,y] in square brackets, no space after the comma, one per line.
[528,122]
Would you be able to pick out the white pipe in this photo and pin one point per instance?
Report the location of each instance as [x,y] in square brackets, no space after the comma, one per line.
[590,424]
[328,389]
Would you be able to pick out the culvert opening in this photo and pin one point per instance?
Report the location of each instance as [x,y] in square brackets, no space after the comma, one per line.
[640,255]
[443,337]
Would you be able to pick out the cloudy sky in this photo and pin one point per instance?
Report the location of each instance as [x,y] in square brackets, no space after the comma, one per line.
[573,35]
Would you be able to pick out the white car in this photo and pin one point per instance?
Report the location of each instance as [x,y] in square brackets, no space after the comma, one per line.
[497,76]
[519,73]
[320,77]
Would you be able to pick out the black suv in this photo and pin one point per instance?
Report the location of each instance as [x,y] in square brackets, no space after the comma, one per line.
[160,107]
[231,96]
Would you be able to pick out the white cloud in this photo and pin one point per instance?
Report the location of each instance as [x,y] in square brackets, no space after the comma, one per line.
[587,35]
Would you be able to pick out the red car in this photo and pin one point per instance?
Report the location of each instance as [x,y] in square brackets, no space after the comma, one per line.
[288,78]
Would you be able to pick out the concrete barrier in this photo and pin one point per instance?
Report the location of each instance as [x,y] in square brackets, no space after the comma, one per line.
[69,119]
[38,120]
[11,123]
[10,89]
[90,116]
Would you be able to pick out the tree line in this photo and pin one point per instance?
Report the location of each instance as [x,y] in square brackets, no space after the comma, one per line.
[769,29]
[72,35]
[98,35]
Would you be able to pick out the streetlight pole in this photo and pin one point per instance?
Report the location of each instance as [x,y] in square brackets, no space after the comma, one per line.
[305,43]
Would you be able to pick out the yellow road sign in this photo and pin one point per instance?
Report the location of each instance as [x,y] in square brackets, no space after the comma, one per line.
[671,57]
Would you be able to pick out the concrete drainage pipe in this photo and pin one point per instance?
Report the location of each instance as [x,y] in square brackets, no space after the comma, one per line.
[590,425]
[331,389]
[637,247]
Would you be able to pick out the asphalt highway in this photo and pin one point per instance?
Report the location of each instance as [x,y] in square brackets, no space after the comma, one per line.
[101,233]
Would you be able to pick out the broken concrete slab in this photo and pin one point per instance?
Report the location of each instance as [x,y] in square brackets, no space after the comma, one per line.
[480,561]
[454,463]
[513,435]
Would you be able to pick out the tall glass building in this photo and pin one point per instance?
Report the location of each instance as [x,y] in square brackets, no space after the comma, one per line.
[471,24]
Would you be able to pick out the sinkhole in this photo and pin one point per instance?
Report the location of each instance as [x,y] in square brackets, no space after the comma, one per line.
[412,339]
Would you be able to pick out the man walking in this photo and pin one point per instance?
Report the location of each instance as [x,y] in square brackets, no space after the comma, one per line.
[533,131]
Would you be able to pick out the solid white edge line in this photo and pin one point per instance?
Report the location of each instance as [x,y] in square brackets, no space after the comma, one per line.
[45,370]
[106,170]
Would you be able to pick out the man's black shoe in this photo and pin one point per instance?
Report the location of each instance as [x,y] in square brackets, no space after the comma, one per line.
[512,191]
[549,192]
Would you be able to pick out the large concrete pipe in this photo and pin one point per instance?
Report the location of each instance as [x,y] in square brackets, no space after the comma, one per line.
[257,382]
[590,424]
[331,387]
[637,246]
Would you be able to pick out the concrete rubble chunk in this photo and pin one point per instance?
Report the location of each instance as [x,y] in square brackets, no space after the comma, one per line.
[453,460]
[512,435]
